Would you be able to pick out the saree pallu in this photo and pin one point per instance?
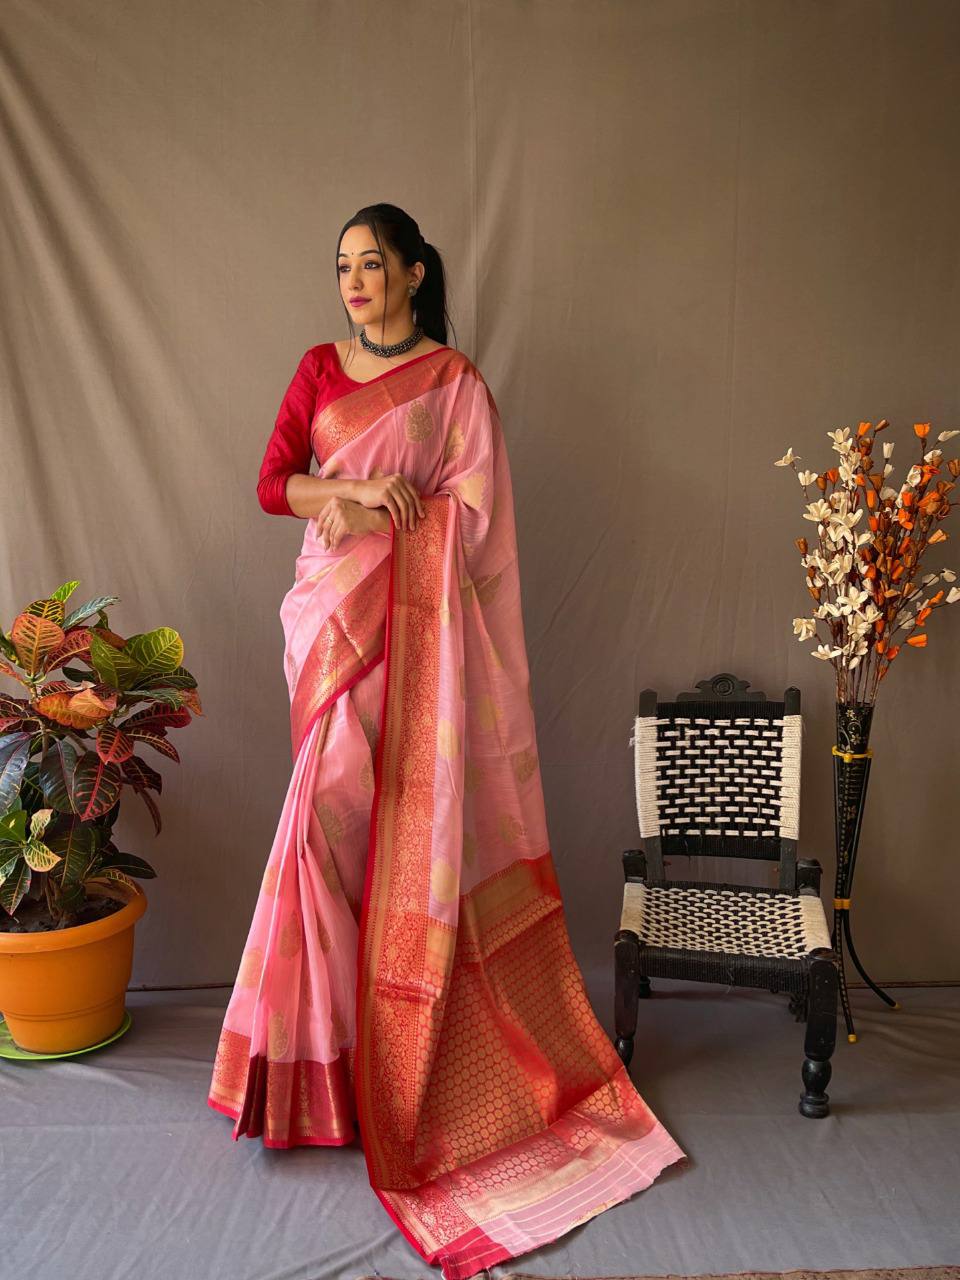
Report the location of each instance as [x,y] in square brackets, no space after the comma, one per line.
[494,1112]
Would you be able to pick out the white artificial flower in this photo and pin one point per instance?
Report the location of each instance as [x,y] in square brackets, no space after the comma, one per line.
[933,456]
[846,470]
[953,595]
[864,538]
[818,510]
[948,575]
[821,611]
[888,448]
[788,458]
[804,628]
[805,477]
[908,623]
[948,435]
[928,578]
[841,525]
[825,652]
[914,475]
[886,493]
[850,599]
[887,468]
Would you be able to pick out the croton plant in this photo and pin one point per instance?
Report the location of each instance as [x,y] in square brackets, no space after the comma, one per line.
[68,747]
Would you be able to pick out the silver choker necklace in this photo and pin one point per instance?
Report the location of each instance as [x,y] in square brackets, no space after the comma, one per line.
[390,348]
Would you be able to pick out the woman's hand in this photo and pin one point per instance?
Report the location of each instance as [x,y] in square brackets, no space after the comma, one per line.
[342,516]
[396,494]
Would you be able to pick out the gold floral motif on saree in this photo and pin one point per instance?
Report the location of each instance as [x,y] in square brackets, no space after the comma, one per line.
[487,586]
[288,943]
[322,934]
[268,884]
[472,489]
[524,764]
[444,881]
[330,822]
[489,712]
[510,828]
[448,740]
[251,967]
[419,424]
[277,1038]
[454,444]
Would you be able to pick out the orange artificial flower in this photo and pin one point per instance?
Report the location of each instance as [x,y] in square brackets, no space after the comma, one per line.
[923,615]
[871,498]
[918,642]
[892,652]
[921,430]
[874,523]
[863,428]
[938,536]
[897,571]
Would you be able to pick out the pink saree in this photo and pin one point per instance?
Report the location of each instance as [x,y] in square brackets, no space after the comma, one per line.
[408,964]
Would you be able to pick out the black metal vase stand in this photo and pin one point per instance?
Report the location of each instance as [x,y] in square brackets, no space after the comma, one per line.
[851,772]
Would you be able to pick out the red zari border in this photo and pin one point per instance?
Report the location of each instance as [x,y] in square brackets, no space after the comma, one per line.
[599,1143]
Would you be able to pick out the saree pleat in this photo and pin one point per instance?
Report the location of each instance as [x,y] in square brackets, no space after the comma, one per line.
[494,1112]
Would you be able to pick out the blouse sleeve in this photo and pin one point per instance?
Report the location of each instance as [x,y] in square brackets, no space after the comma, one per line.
[289,450]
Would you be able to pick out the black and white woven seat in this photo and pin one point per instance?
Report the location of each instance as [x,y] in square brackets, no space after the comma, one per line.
[717,774]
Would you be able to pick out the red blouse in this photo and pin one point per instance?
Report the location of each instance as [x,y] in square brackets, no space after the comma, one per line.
[289,450]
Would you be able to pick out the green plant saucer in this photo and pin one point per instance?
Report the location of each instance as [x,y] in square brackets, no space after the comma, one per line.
[10,1050]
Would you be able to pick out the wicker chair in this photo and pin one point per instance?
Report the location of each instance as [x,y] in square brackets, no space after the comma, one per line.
[718,774]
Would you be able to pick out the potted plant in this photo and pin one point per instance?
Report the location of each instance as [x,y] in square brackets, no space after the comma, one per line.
[68,746]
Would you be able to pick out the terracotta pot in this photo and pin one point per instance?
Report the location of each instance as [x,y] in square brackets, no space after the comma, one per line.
[65,989]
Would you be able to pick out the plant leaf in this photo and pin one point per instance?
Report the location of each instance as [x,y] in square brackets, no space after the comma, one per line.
[84,610]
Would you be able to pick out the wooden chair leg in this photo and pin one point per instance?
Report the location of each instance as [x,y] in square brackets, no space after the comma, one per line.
[626,954]
[821,1036]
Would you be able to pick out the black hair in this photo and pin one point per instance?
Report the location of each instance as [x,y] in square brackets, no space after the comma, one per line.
[393,225]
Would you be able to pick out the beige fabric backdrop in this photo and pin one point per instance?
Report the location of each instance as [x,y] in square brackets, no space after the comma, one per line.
[680,236]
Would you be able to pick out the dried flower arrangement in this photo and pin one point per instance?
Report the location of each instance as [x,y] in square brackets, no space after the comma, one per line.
[865,582]
[871,599]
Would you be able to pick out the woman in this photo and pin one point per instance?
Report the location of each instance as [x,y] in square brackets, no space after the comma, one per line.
[408,966]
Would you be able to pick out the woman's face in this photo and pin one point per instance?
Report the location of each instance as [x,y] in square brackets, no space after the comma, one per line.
[362,276]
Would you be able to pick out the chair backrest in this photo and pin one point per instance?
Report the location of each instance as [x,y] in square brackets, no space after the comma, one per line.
[718,774]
